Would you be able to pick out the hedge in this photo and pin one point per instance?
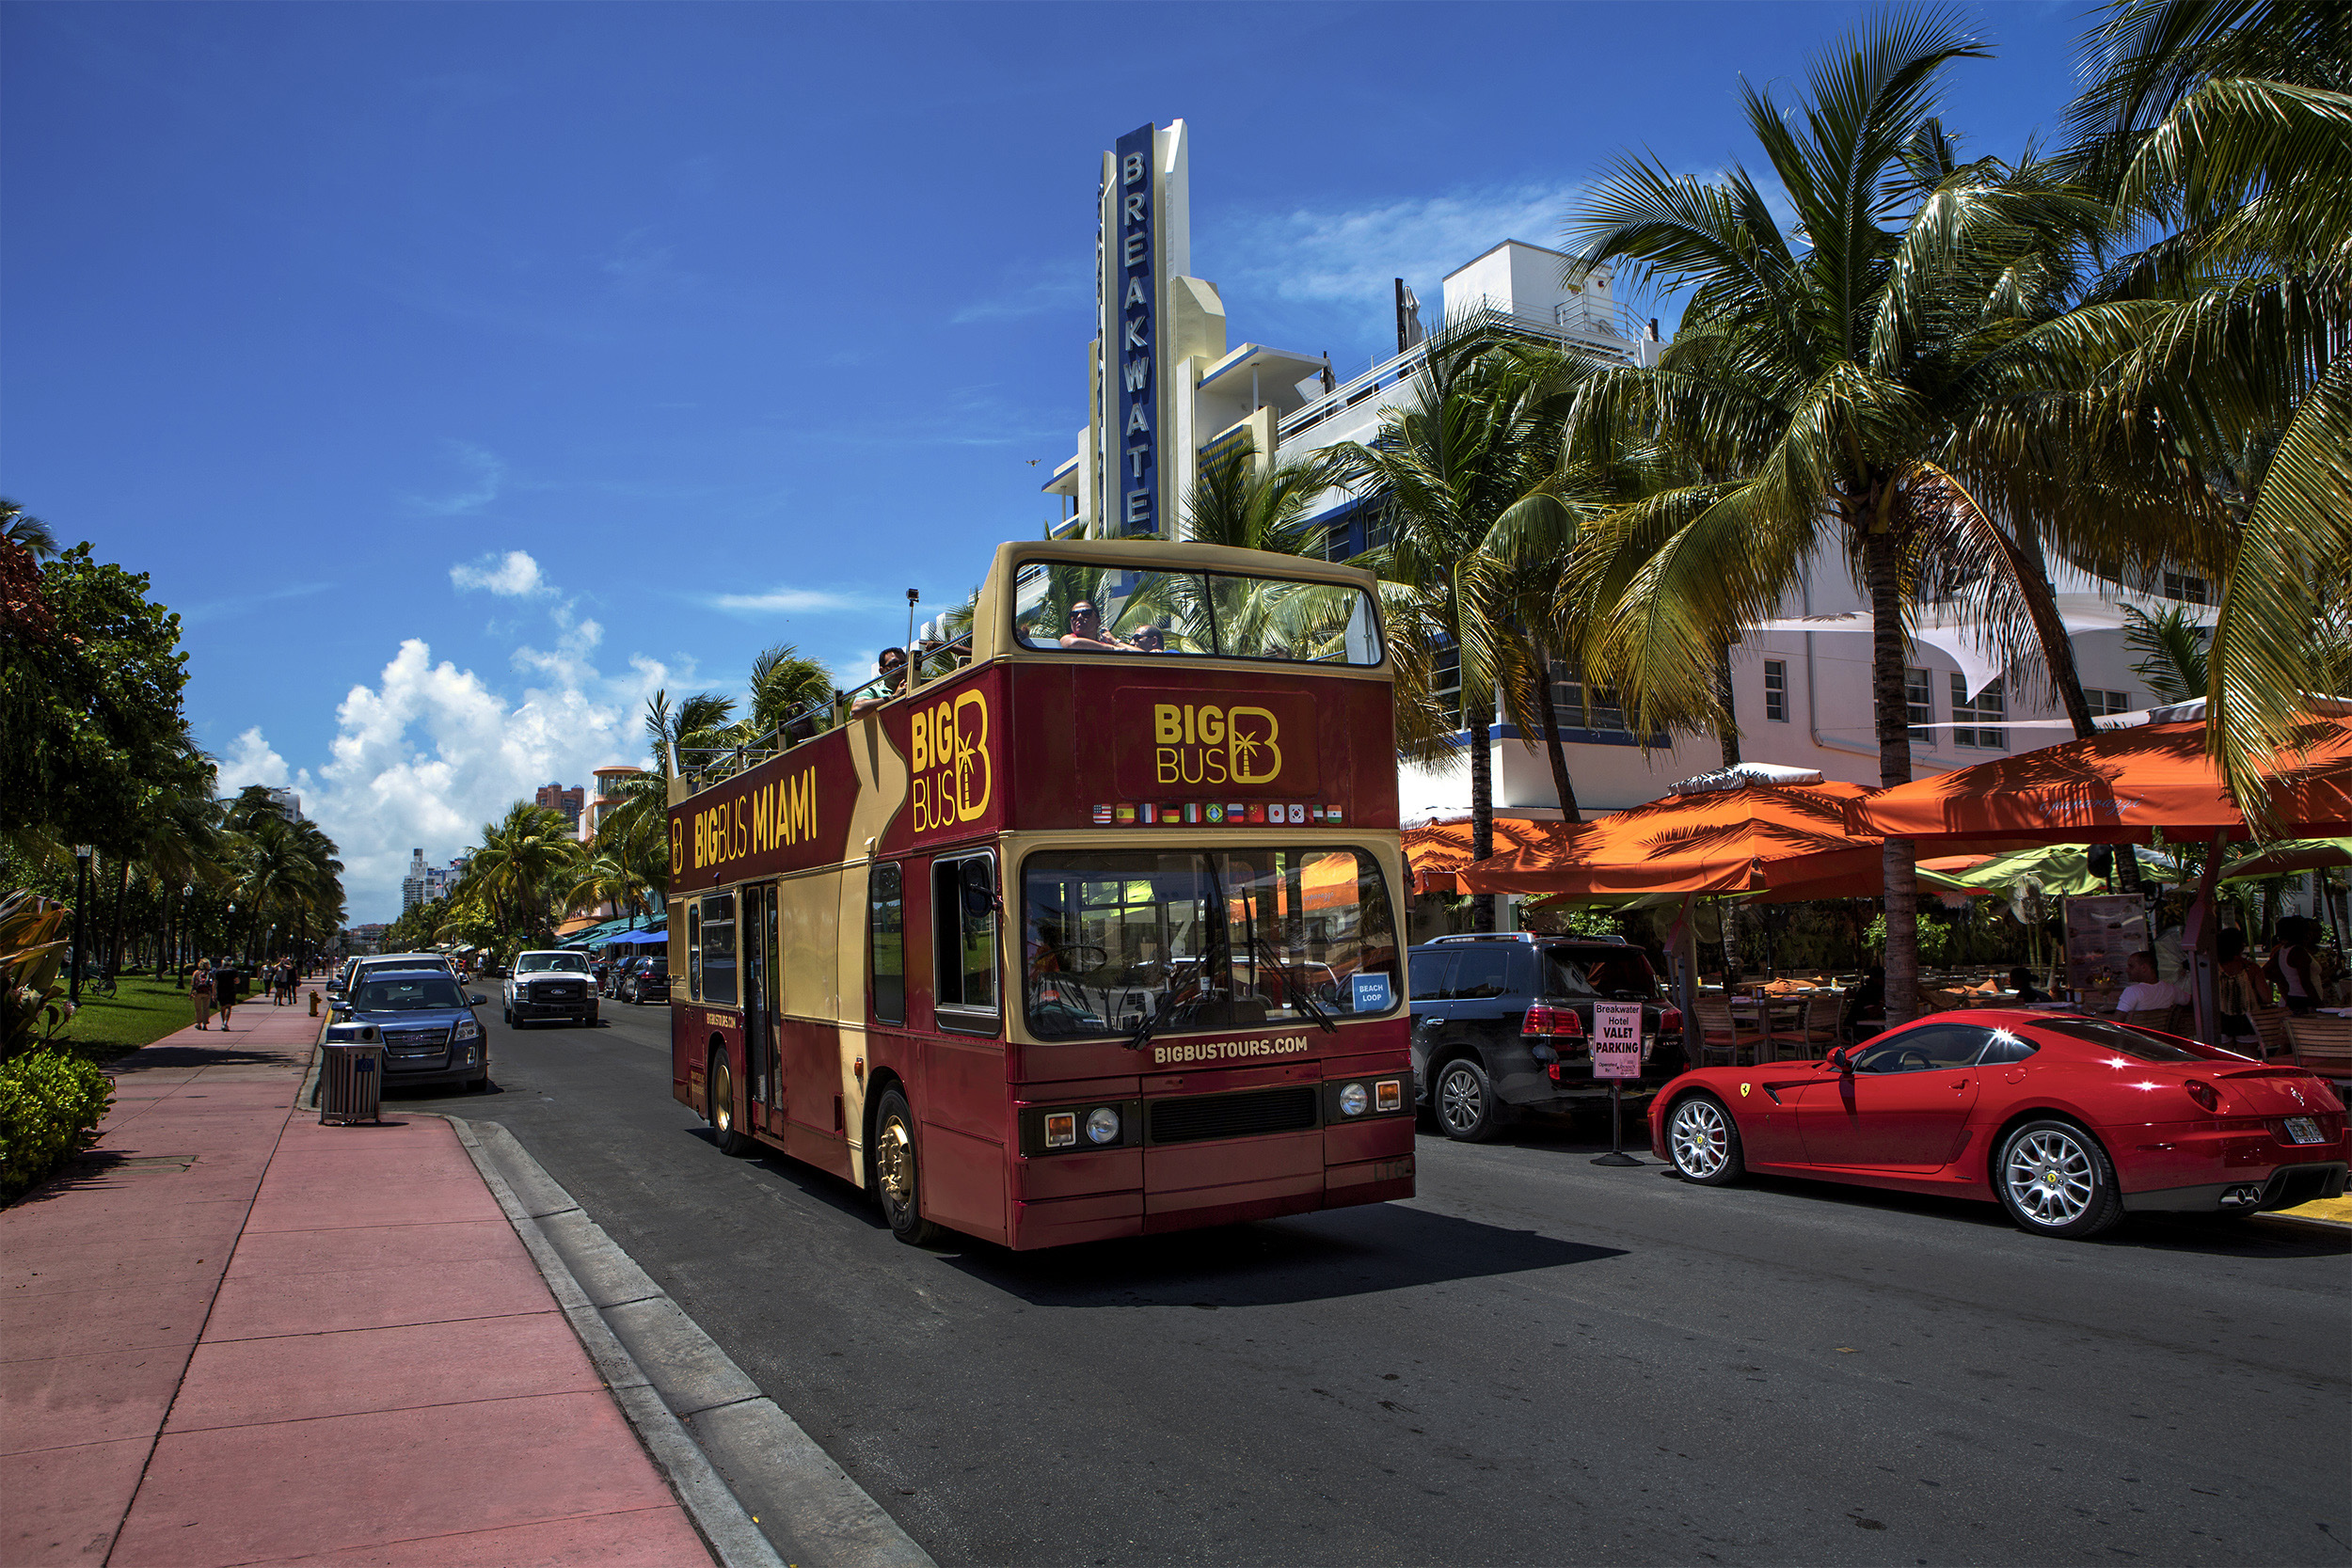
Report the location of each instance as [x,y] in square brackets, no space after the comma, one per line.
[50,1105]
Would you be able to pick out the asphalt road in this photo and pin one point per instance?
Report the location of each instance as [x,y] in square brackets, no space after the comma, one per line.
[1536,1360]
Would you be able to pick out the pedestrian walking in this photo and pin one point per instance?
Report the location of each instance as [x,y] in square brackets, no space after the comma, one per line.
[200,992]
[225,985]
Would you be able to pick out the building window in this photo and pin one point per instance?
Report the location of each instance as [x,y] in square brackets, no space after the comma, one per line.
[1445,682]
[2187,590]
[1990,708]
[1604,709]
[2103,703]
[1776,690]
[1919,705]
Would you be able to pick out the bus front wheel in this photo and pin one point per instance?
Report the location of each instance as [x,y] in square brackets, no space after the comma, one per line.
[719,1097]
[896,1178]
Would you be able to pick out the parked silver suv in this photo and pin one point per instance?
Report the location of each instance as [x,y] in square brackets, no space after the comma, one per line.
[552,984]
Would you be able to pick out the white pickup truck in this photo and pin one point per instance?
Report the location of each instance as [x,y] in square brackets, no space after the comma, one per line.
[554,984]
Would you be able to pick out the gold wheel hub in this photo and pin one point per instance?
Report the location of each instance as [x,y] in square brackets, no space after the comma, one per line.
[894,1161]
[721,1099]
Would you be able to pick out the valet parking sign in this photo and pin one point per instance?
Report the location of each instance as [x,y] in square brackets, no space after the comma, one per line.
[1617,1039]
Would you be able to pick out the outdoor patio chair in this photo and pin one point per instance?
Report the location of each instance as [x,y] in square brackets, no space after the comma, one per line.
[2322,1045]
[2270,1027]
[1721,1035]
[2158,1019]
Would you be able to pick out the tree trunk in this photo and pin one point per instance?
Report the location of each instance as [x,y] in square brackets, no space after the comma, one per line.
[122,889]
[1882,572]
[1550,712]
[1729,730]
[1482,808]
[2058,656]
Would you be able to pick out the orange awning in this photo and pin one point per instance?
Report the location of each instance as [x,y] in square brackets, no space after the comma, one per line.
[1435,853]
[2115,787]
[1757,839]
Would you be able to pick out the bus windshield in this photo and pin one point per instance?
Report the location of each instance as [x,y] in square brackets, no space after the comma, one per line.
[1203,939]
[1094,608]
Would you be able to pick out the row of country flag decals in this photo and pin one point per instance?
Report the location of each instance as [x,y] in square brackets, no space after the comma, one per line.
[1215,813]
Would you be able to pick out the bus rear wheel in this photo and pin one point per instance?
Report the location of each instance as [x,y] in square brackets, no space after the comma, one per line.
[895,1178]
[718,1099]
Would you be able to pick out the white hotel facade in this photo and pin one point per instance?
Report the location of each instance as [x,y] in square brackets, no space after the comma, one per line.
[1175,389]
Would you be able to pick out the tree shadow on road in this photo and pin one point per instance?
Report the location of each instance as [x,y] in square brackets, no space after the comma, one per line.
[1349,1252]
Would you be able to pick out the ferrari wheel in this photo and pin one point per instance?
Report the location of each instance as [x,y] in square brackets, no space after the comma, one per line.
[1705,1142]
[1465,1102]
[895,1178]
[2056,1180]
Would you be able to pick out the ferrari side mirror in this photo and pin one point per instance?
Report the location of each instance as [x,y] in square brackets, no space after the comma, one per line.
[1838,1059]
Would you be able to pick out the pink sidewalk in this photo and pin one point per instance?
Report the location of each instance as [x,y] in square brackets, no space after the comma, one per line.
[233,1336]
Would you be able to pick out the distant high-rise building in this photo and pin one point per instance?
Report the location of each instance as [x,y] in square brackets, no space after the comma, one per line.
[287,802]
[412,887]
[571,799]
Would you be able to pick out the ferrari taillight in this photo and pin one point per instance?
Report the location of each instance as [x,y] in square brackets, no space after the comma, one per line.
[2204,1094]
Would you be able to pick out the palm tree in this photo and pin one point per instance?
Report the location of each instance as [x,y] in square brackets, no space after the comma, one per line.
[26,532]
[695,725]
[1251,506]
[2225,128]
[2172,646]
[1465,476]
[785,687]
[520,862]
[1826,385]
[607,879]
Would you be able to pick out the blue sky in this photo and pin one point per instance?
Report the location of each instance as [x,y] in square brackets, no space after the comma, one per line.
[464,373]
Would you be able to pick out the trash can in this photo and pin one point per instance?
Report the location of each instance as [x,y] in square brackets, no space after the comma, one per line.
[351,1084]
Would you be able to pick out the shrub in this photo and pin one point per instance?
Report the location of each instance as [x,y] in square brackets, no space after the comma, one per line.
[50,1105]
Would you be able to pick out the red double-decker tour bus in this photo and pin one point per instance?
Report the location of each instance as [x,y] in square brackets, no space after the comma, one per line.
[1084,929]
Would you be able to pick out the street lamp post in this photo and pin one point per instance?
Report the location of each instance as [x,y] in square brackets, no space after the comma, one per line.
[82,853]
[187,913]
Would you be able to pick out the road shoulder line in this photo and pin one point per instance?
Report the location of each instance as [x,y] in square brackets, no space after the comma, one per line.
[754,1482]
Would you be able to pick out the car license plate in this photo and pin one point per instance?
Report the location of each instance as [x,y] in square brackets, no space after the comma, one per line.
[2303,1130]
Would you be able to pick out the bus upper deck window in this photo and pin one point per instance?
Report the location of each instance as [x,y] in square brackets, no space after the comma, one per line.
[1164,614]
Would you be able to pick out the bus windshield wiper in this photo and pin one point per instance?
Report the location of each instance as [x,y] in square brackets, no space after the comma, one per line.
[1142,1036]
[1298,995]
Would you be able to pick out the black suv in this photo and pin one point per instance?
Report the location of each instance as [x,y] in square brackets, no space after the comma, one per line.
[647,980]
[1504,1022]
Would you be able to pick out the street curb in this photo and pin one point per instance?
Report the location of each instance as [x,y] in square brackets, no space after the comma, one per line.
[755,1484]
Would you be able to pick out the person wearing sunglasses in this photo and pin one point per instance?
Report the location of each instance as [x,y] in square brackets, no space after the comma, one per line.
[1086,632]
[893,675]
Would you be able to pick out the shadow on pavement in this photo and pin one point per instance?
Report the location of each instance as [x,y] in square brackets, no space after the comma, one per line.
[2215,1235]
[154,1056]
[1272,1263]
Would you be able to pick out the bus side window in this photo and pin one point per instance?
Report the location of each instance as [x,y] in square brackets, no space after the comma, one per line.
[886,943]
[719,949]
[694,950]
[964,922]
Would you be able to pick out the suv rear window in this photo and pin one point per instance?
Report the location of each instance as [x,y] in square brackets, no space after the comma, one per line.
[1582,972]
[1481,972]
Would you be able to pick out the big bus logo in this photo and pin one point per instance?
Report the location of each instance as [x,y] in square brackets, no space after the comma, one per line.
[1197,744]
[953,778]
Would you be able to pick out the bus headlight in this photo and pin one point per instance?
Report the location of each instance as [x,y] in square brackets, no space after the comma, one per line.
[1352,1100]
[1102,1124]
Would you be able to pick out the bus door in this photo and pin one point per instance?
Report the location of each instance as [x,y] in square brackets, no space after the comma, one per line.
[760,1001]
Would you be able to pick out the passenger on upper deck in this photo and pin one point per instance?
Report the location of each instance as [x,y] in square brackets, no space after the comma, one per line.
[894,674]
[1086,632]
[1150,638]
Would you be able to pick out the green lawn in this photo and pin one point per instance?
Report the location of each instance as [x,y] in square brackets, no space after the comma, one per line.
[110,1026]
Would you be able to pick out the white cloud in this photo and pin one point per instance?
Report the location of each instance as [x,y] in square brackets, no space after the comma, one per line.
[488,477]
[1043,289]
[513,575]
[428,753]
[1352,255]
[811,599]
[251,762]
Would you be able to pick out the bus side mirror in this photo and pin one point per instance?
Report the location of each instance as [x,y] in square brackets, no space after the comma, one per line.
[980,887]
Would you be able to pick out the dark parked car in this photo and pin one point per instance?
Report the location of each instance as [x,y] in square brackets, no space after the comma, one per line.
[426,1022]
[1504,1023]
[647,980]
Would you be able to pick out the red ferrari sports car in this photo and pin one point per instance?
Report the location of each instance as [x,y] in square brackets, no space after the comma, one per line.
[2070,1122]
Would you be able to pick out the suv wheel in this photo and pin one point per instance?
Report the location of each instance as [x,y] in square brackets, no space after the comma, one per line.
[1464,1099]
